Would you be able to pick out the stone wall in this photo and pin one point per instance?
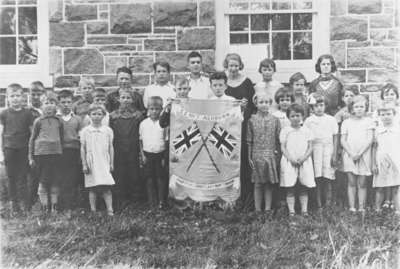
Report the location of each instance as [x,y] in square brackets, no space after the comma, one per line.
[365,41]
[95,37]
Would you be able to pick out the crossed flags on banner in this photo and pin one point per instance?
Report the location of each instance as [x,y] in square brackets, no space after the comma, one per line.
[218,136]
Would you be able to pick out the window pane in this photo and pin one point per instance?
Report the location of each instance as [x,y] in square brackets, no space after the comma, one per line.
[259,22]
[302,4]
[280,4]
[7,50]
[239,38]
[281,22]
[7,21]
[27,20]
[27,50]
[259,5]
[238,22]
[302,21]
[238,5]
[259,38]
[281,46]
[27,2]
[302,45]
[7,2]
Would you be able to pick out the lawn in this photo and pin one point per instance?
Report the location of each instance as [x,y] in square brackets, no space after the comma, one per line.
[141,238]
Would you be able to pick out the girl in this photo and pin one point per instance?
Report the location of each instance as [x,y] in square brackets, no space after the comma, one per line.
[325,129]
[263,143]
[296,163]
[284,98]
[297,83]
[356,139]
[125,123]
[97,155]
[327,84]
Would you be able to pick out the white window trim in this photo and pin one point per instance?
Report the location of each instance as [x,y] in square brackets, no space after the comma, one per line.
[285,68]
[25,74]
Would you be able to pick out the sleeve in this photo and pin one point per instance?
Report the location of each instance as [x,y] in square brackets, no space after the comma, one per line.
[110,135]
[307,123]
[141,130]
[34,134]
[164,119]
[83,136]
[334,125]
[345,129]
[277,132]
[338,116]
[31,117]
[310,135]
[145,96]
[283,135]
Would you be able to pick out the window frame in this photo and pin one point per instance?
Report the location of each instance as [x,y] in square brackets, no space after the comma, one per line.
[285,68]
[24,74]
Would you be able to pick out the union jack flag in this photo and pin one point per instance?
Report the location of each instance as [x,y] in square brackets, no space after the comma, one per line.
[186,139]
[223,141]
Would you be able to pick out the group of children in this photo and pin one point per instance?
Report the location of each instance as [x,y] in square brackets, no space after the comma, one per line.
[295,140]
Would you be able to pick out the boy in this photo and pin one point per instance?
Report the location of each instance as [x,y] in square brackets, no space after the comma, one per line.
[162,87]
[70,158]
[152,149]
[99,98]
[218,81]
[84,97]
[15,125]
[199,84]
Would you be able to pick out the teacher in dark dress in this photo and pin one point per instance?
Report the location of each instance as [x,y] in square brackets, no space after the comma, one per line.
[241,87]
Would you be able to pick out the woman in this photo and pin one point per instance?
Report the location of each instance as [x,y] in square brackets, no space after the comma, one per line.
[241,87]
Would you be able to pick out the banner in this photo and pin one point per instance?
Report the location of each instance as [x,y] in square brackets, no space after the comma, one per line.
[204,150]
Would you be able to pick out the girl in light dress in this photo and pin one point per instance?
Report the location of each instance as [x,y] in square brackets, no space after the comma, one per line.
[283,98]
[386,157]
[296,162]
[356,140]
[297,82]
[263,144]
[97,155]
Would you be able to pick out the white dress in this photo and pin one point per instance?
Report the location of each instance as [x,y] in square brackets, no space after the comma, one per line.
[283,119]
[357,138]
[323,128]
[97,142]
[296,141]
[387,157]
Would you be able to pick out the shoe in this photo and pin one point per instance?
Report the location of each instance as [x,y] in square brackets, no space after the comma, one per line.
[305,214]
[110,213]
[386,204]
[352,210]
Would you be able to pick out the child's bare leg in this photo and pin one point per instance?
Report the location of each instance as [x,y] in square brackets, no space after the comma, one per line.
[258,195]
[54,198]
[319,189]
[303,197]
[43,196]
[107,196]
[92,200]
[290,199]
[388,195]
[362,192]
[268,196]
[379,196]
[351,191]
[396,198]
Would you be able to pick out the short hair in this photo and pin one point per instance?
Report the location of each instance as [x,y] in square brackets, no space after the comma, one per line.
[387,87]
[267,63]
[282,93]
[179,81]
[386,106]
[322,57]
[317,98]
[354,90]
[295,108]
[233,56]
[37,86]
[13,87]
[124,69]
[94,107]
[356,99]
[194,54]
[99,92]
[87,81]
[155,100]
[50,96]
[65,94]
[218,75]
[257,95]
[296,77]
[162,64]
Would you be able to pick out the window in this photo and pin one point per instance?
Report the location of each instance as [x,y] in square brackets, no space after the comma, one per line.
[284,30]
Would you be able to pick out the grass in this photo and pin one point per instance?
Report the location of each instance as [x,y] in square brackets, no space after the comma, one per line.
[140,238]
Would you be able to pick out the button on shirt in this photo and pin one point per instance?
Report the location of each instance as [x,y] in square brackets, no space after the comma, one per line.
[152,135]
[200,88]
[165,91]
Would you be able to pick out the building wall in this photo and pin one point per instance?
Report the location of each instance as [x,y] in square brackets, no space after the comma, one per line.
[365,42]
[95,37]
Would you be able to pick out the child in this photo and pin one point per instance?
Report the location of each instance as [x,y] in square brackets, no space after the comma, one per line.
[152,148]
[99,98]
[386,157]
[268,85]
[45,149]
[199,84]
[70,166]
[356,139]
[297,83]
[296,162]
[97,154]
[84,98]
[325,129]
[284,98]
[263,143]
[125,125]
[327,84]
[162,87]
[15,124]
[218,84]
